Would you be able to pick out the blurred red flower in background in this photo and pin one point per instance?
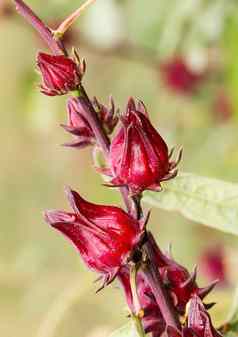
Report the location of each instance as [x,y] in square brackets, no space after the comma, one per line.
[179,77]
[212,264]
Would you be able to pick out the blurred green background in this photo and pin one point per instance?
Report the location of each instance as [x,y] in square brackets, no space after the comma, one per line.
[45,290]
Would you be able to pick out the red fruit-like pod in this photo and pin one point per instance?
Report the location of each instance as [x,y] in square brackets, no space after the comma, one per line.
[78,125]
[139,156]
[60,74]
[152,318]
[105,236]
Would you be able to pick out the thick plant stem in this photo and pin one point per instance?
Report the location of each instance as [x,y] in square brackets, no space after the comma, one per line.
[39,25]
[152,275]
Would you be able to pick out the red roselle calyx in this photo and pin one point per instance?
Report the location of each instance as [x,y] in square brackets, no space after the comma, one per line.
[180,284]
[79,126]
[139,156]
[105,236]
[60,74]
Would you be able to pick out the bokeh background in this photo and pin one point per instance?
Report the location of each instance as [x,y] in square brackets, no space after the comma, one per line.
[180,58]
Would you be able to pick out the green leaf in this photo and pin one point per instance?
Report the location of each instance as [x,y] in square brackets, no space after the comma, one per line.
[128,330]
[210,202]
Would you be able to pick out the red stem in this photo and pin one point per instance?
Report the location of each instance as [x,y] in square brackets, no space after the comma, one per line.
[153,278]
[38,24]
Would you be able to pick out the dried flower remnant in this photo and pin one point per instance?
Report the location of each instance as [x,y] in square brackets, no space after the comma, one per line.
[139,156]
[105,236]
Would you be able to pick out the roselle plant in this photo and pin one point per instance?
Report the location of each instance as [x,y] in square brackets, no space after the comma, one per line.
[162,296]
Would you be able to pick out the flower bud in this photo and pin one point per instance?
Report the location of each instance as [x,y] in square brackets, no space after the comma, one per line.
[139,156]
[105,236]
[60,74]
[78,125]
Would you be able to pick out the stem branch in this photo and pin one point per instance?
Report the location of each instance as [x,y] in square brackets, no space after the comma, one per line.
[65,25]
[152,275]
